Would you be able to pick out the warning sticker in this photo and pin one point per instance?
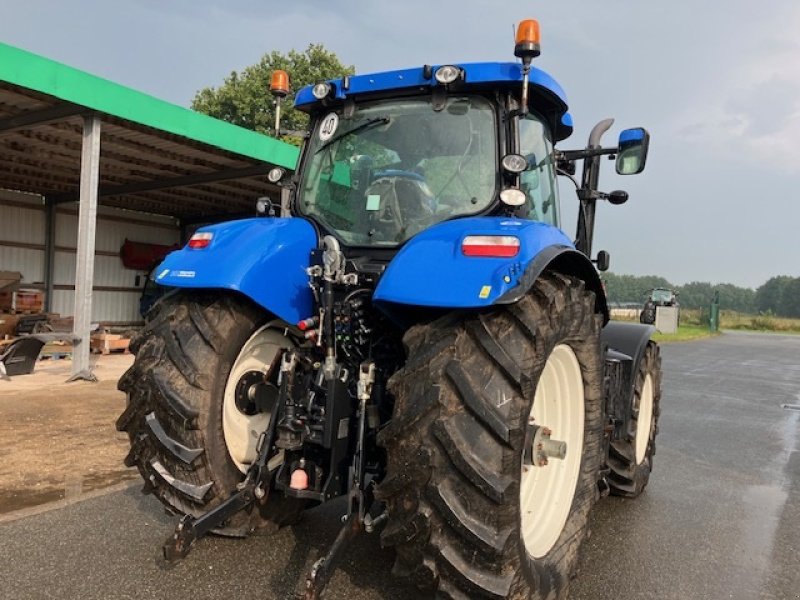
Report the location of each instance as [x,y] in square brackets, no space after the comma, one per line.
[373,202]
[485,291]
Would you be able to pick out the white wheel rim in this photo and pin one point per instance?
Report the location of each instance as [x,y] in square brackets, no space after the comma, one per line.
[645,419]
[546,492]
[242,431]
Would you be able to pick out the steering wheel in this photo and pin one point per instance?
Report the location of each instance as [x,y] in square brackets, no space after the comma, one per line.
[405,203]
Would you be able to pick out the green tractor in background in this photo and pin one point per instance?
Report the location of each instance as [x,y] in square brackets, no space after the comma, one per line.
[655,298]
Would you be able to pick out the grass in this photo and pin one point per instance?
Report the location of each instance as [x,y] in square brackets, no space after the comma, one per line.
[685,333]
[764,322]
[729,319]
[694,324]
[689,329]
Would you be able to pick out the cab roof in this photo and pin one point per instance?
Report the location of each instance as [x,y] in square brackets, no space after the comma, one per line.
[546,95]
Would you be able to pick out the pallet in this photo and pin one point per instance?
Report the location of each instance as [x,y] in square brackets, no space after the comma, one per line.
[55,355]
[56,351]
[106,344]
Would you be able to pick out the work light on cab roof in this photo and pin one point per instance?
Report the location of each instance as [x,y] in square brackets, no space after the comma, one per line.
[322,90]
[448,74]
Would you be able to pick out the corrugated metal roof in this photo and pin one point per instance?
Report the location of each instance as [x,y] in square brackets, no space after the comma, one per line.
[155,156]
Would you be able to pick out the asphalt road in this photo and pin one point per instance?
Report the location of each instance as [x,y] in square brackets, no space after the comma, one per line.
[720,519]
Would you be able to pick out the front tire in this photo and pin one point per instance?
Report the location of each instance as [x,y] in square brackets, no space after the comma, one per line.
[188,440]
[630,459]
[469,515]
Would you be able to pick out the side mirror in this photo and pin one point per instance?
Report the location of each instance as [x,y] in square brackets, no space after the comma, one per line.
[632,151]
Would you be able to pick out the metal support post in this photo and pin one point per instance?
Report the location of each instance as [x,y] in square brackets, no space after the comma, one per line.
[84,267]
[49,252]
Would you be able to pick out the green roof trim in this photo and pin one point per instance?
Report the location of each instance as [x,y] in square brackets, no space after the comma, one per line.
[28,70]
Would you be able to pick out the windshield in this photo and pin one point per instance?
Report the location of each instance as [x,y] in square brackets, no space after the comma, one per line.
[538,180]
[397,167]
[661,295]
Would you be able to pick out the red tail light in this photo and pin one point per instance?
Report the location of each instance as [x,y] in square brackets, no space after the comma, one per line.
[201,240]
[498,246]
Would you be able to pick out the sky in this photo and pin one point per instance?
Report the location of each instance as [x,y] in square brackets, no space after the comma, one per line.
[717,85]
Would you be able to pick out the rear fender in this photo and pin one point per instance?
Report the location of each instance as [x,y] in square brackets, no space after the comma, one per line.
[431,270]
[626,343]
[265,259]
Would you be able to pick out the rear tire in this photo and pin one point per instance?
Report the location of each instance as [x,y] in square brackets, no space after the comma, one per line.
[457,492]
[176,399]
[631,458]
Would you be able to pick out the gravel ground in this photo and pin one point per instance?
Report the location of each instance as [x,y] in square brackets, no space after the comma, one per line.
[58,439]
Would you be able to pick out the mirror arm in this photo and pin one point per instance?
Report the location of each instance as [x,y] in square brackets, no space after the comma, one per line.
[586,153]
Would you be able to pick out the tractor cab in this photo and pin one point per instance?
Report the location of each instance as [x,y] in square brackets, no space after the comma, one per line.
[389,155]
[392,154]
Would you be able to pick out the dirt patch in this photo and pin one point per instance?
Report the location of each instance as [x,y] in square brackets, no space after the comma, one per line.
[57,439]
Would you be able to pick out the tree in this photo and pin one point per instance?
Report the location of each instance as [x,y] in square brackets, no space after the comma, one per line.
[697,294]
[790,307]
[736,298]
[631,288]
[769,297]
[244,98]
[780,295]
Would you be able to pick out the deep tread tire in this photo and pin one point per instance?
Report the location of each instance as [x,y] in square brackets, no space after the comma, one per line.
[174,410]
[628,477]
[452,488]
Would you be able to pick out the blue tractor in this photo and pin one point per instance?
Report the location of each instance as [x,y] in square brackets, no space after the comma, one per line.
[412,331]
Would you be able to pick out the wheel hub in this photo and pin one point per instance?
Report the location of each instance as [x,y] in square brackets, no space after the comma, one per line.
[253,395]
[539,447]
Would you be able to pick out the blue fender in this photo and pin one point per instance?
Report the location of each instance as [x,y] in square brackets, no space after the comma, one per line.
[264,259]
[431,270]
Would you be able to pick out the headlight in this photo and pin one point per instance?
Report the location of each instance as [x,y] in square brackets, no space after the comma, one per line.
[447,74]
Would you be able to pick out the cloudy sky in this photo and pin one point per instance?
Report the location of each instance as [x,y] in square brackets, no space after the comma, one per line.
[717,84]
